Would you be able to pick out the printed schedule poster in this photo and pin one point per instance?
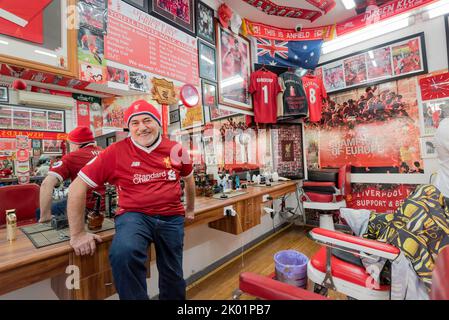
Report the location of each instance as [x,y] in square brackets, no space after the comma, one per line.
[141,41]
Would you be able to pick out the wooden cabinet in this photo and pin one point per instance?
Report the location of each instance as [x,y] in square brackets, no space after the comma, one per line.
[248,216]
[95,276]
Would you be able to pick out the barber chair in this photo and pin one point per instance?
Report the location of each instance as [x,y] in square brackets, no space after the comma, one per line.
[325,190]
[22,197]
[328,271]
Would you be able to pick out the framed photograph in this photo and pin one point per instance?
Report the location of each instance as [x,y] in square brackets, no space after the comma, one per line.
[378,63]
[51,146]
[138,81]
[205,26]
[210,100]
[428,147]
[174,116]
[31,45]
[333,76]
[4,97]
[407,57]
[139,4]
[432,113]
[178,13]
[234,69]
[389,61]
[32,119]
[355,70]
[191,117]
[207,61]
[91,47]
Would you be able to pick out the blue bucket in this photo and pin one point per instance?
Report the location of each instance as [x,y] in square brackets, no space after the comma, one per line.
[291,267]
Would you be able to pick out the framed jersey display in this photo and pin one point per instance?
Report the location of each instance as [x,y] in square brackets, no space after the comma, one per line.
[40,35]
[234,69]
[394,60]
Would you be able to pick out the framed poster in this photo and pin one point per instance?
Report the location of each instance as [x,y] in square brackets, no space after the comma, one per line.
[210,100]
[191,117]
[428,147]
[234,69]
[390,61]
[47,42]
[178,13]
[379,63]
[432,113]
[51,146]
[4,97]
[31,119]
[207,61]
[139,4]
[205,26]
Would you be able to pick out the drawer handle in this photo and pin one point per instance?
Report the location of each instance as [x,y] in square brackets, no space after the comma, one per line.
[107,284]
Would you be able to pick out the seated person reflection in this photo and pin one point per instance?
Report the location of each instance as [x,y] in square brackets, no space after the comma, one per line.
[83,150]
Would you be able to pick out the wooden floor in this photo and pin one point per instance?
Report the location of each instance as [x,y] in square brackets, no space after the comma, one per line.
[221,284]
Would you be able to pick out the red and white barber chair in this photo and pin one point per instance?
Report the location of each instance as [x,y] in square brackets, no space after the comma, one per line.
[328,271]
[337,266]
[325,190]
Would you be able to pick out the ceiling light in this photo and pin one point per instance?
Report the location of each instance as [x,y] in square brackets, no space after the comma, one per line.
[349,4]
[369,32]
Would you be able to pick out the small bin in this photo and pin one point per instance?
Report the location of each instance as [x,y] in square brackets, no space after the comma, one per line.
[291,267]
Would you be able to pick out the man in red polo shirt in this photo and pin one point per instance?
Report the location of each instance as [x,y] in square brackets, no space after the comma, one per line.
[82,150]
[146,169]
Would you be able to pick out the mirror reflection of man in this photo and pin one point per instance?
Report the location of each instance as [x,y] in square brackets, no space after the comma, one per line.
[82,150]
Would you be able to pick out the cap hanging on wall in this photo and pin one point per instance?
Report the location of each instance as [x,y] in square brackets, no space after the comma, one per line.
[224,15]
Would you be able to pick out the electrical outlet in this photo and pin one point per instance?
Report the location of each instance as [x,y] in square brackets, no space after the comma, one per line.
[227,211]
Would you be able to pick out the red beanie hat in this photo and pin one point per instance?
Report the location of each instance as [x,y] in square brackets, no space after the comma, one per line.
[142,107]
[81,135]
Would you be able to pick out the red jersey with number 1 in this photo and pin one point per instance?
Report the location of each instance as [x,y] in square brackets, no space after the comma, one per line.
[264,86]
[316,93]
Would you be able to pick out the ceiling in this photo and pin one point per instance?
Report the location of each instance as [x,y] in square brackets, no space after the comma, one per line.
[337,14]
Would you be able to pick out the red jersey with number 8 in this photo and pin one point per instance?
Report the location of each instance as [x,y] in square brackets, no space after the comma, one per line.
[264,86]
[315,93]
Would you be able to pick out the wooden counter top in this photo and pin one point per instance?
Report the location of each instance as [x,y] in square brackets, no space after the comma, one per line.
[19,259]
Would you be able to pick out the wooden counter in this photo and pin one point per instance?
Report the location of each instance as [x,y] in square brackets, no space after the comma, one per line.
[21,264]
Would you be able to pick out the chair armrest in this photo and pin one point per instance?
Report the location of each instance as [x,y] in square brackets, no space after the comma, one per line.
[346,241]
[318,184]
[268,289]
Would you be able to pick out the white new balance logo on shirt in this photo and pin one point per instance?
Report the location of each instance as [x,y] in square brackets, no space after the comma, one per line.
[135,164]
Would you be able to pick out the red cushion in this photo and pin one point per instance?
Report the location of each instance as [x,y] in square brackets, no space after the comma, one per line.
[322,197]
[345,271]
[266,288]
[318,184]
[373,244]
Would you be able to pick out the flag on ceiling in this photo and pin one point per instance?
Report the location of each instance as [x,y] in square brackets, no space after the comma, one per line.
[304,54]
